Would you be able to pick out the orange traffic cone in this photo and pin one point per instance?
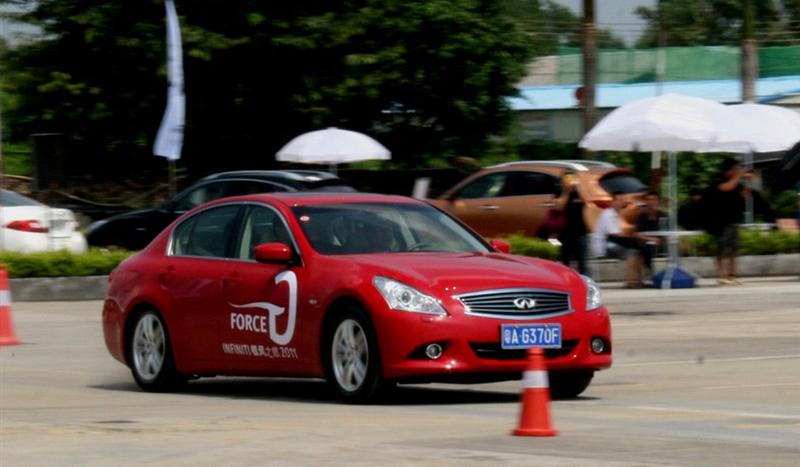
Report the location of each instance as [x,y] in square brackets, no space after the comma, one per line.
[6,329]
[534,419]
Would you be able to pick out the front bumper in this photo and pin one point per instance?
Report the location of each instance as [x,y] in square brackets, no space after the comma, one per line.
[472,346]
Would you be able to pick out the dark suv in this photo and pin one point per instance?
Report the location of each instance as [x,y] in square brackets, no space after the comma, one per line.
[134,230]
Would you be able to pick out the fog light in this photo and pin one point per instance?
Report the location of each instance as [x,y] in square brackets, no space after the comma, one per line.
[598,346]
[433,351]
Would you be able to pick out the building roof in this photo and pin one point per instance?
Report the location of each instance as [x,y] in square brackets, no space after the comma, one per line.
[614,95]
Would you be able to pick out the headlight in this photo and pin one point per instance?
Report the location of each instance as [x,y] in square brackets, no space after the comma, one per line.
[594,298]
[402,297]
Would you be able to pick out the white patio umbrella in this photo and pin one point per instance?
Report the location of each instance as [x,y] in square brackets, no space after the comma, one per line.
[766,128]
[672,123]
[332,146]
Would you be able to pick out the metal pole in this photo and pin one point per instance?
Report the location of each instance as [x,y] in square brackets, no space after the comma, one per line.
[748,212]
[672,246]
[172,178]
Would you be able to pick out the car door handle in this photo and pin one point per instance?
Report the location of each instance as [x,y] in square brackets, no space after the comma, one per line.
[231,281]
[168,273]
[490,207]
[550,204]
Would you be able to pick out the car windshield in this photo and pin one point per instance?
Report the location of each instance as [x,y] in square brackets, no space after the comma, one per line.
[9,198]
[355,228]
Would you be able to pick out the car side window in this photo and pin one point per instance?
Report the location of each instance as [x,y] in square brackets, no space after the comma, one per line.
[261,225]
[206,234]
[199,195]
[531,183]
[488,186]
[220,189]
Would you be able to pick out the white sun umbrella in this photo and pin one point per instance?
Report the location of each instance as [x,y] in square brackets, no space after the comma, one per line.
[332,146]
[672,123]
[768,128]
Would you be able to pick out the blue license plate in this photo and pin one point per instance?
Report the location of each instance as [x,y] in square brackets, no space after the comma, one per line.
[523,336]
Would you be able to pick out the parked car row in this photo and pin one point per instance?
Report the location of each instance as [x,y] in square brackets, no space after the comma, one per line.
[508,198]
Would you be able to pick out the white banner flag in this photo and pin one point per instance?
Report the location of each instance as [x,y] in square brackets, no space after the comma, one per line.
[169,140]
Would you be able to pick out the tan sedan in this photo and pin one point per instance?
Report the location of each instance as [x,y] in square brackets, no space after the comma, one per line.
[516,196]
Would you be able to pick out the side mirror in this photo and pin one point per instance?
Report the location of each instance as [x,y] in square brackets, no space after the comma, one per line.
[501,245]
[273,253]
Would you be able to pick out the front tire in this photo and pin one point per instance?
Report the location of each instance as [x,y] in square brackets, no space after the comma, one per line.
[569,384]
[351,357]
[150,354]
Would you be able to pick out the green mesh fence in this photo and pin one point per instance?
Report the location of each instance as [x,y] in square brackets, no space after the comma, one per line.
[681,64]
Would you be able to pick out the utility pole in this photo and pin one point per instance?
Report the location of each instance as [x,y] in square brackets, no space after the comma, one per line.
[749,57]
[749,74]
[589,31]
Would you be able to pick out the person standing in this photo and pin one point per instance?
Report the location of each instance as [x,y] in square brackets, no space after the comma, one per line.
[573,236]
[725,204]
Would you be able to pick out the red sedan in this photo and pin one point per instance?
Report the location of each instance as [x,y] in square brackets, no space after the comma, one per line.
[362,290]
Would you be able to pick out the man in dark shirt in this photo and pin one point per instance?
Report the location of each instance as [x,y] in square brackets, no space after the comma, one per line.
[725,203]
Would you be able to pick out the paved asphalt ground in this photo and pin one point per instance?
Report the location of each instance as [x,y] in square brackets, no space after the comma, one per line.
[708,376]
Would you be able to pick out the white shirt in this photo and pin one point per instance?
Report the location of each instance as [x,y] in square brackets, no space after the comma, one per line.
[607,224]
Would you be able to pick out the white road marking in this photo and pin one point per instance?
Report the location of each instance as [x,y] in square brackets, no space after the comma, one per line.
[716,412]
[710,360]
[743,386]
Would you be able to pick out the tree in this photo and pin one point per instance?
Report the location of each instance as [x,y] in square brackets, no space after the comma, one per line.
[551,25]
[423,76]
[707,22]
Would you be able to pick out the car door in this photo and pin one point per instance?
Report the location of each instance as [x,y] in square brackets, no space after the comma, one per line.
[195,270]
[526,198]
[506,202]
[261,328]
[477,203]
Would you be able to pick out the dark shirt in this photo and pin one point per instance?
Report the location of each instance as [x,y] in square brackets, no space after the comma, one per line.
[648,221]
[574,215]
[690,215]
[723,208]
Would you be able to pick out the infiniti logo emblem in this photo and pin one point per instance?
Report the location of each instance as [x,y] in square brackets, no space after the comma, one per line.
[525,303]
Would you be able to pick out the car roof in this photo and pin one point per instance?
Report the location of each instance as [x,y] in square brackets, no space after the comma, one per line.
[571,164]
[293,199]
[299,176]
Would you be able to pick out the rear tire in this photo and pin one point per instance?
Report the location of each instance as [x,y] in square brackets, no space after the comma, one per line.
[351,357]
[569,384]
[150,354]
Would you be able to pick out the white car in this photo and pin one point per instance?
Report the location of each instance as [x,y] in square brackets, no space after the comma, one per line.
[29,226]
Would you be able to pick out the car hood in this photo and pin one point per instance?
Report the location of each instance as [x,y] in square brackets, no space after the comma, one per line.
[468,272]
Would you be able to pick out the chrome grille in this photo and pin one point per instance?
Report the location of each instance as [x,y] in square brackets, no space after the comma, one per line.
[501,303]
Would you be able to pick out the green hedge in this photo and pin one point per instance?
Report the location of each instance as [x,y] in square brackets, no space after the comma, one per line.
[527,246]
[751,242]
[95,262]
